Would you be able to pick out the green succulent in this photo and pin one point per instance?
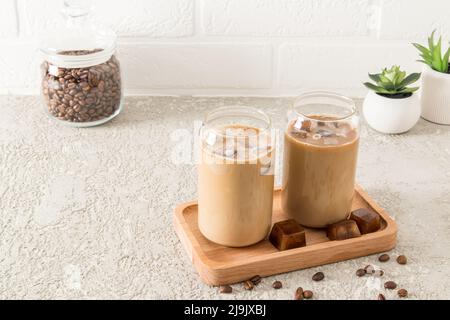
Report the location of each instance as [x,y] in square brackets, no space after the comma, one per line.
[392,81]
[432,55]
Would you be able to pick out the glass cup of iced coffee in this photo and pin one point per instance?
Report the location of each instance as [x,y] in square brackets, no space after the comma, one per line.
[235,176]
[320,156]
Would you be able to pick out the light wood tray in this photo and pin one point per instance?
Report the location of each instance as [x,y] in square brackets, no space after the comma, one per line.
[219,265]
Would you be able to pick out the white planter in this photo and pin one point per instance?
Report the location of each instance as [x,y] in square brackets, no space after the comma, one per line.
[389,115]
[435,96]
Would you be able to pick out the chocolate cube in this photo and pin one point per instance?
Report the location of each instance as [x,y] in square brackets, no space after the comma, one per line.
[287,235]
[367,220]
[342,230]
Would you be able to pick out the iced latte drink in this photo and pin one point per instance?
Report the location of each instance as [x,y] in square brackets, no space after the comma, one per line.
[235,177]
[320,157]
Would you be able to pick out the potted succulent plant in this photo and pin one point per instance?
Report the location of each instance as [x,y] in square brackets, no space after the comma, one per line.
[391,106]
[435,93]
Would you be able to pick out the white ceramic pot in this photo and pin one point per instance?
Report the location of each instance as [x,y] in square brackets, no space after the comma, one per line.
[392,116]
[435,96]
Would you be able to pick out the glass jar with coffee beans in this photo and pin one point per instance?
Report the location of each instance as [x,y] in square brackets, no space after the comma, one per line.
[81,79]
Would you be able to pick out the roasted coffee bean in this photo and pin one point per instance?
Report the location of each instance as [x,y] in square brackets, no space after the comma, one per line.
[360,272]
[298,294]
[98,87]
[277,285]
[381,297]
[384,257]
[256,280]
[402,293]
[391,285]
[248,285]
[225,289]
[378,273]
[307,294]
[402,259]
[369,269]
[318,276]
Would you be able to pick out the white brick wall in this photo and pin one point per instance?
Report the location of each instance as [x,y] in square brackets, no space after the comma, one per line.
[285,18]
[8,19]
[347,65]
[136,18]
[234,47]
[198,65]
[414,19]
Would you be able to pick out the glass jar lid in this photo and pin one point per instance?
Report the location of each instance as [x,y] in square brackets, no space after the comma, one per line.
[76,41]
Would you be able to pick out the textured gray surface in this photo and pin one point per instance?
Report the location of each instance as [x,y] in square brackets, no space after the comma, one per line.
[87,213]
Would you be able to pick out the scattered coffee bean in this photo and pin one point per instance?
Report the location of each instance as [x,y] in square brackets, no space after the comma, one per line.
[225,289]
[369,269]
[307,294]
[256,280]
[402,259]
[298,294]
[82,94]
[390,285]
[378,273]
[384,257]
[248,285]
[360,272]
[381,297]
[277,285]
[402,293]
[318,276]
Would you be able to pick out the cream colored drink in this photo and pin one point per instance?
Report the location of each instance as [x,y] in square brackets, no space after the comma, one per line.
[235,185]
[319,170]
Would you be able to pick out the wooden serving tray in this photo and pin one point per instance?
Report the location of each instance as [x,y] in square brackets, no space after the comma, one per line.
[218,265]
